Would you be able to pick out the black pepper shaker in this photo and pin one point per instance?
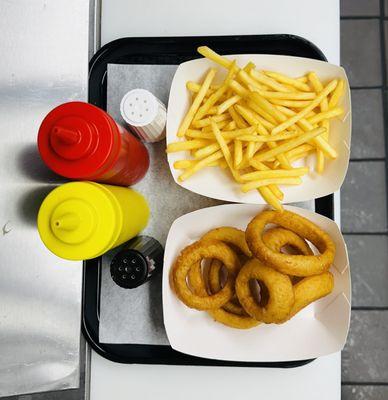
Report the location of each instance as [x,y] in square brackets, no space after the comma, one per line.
[136,262]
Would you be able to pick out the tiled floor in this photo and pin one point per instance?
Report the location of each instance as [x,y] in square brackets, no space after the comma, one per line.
[364,51]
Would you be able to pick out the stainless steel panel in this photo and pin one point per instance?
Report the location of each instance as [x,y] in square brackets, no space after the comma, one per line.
[44,62]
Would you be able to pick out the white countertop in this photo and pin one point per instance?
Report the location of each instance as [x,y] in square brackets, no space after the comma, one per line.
[44,62]
[315,20]
[320,379]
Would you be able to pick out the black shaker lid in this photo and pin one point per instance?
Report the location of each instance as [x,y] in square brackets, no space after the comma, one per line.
[129,269]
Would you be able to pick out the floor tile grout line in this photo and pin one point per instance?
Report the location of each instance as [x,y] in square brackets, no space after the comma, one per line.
[366,383]
[369,308]
[384,95]
[382,46]
[368,159]
[363,17]
[359,17]
[380,87]
[384,233]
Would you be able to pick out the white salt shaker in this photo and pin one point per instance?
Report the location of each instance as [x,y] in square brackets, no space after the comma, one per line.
[145,114]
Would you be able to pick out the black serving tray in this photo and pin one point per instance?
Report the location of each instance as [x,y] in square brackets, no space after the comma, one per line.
[174,50]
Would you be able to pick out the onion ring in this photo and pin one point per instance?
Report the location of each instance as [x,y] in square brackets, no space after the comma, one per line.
[192,255]
[195,275]
[214,276]
[281,293]
[220,315]
[229,235]
[232,320]
[231,306]
[297,265]
[277,238]
[311,289]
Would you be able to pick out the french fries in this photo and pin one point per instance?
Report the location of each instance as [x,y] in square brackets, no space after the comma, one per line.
[297,83]
[228,103]
[288,95]
[246,187]
[289,145]
[188,145]
[216,96]
[238,153]
[256,124]
[196,103]
[278,173]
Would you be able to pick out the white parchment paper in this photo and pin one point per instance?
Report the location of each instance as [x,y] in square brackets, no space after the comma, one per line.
[135,315]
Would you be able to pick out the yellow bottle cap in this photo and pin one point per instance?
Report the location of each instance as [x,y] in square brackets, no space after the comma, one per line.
[79,220]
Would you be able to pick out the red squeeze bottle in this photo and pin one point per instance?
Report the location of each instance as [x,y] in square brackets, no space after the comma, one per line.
[80,141]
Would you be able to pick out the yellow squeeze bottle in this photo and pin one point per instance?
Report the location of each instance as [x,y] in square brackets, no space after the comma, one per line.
[83,220]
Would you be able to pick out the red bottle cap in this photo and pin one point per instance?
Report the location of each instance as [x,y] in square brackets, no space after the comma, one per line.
[78,140]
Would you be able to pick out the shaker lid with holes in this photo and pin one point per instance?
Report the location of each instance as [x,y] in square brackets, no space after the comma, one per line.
[129,269]
[145,115]
[136,262]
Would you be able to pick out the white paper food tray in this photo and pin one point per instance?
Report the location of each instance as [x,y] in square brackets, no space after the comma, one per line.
[319,329]
[215,182]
